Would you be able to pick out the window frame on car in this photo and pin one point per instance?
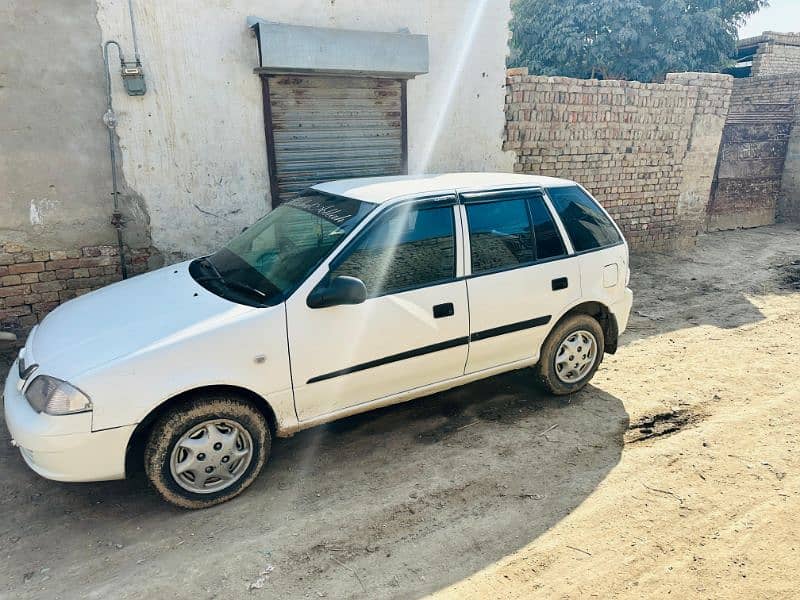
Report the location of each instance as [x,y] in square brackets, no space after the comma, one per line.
[455,198]
[445,200]
[526,195]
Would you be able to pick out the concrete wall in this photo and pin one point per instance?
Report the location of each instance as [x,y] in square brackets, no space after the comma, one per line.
[194,145]
[646,151]
[55,182]
[192,151]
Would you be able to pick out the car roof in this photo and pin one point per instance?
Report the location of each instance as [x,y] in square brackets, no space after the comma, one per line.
[383,189]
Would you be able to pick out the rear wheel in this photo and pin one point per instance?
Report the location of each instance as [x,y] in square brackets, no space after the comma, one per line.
[571,354]
[206,451]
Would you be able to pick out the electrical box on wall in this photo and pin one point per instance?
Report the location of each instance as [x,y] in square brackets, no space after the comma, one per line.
[133,78]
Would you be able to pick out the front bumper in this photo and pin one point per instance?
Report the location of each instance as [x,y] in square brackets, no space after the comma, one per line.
[64,447]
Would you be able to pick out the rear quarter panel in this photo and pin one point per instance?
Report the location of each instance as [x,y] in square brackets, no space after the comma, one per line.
[603,275]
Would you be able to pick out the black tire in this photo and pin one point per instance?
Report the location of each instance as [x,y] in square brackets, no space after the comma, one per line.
[546,368]
[181,419]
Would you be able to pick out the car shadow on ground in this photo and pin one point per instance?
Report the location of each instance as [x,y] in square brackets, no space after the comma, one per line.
[395,502]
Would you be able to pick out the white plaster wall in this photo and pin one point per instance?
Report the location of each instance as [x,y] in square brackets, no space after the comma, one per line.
[194,146]
[55,181]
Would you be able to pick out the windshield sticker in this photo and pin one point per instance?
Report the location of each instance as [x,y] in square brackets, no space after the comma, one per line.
[335,211]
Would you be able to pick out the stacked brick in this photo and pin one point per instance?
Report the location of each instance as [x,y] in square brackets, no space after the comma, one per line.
[777,54]
[624,141]
[765,95]
[34,282]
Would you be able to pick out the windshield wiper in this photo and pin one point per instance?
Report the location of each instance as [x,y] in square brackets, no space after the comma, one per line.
[244,287]
[231,284]
[204,260]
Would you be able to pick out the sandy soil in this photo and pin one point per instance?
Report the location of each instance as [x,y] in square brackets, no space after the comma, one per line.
[675,473]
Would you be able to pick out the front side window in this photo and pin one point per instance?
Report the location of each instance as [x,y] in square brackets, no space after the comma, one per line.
[263,264]
[500,235]
[587,225]
[409,247]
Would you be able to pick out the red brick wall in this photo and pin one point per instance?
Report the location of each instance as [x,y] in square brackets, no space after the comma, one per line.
[777,56]
[34,282]
[756,93]
[647,151]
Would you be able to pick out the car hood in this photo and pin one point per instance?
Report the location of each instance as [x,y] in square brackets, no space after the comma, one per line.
[127,317]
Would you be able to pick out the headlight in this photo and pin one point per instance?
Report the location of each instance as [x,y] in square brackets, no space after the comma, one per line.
[55,397]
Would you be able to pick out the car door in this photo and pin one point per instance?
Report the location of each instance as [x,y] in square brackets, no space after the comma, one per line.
[411,331]
[520,275]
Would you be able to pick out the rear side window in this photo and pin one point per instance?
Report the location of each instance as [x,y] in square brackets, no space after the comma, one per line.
[548,241]
[500,235]
[405,249]
[587,225]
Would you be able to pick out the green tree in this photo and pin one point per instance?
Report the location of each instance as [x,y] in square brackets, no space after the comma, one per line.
[626,39]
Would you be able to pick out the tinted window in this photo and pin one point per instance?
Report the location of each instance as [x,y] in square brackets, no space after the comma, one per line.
[500,235]
[405,249]
[588,227]
[548,239]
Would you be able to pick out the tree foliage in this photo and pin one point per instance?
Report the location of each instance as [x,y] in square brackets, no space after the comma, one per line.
[626,39]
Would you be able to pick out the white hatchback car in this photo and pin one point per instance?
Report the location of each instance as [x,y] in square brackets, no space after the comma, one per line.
[357,294]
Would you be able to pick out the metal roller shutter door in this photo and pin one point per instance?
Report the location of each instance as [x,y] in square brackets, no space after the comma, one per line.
[324,128]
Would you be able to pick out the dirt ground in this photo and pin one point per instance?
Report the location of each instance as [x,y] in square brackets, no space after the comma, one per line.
[674,474]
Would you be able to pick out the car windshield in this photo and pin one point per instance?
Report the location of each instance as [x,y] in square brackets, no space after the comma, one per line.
[268,260]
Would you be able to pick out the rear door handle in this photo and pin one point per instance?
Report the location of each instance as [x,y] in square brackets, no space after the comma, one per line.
[443,310]
[561,283]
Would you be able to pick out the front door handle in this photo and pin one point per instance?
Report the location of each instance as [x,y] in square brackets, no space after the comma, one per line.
[561,283]
[443,310]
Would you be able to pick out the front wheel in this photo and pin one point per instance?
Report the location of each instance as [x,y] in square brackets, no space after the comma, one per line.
[571,354]
[207,450]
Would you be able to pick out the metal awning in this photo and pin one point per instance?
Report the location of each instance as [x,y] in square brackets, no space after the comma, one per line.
[286,48]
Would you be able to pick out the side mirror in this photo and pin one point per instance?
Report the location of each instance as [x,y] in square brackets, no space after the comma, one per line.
[340,290]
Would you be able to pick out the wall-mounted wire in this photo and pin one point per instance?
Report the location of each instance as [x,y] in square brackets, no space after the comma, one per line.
[133,33]
[110,120]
